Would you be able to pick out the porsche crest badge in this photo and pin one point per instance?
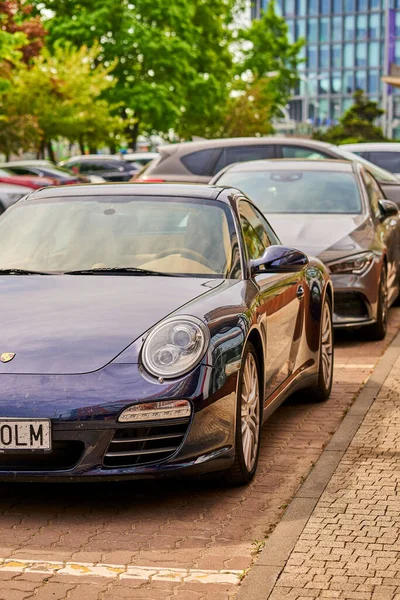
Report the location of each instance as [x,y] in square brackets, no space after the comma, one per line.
[7,356]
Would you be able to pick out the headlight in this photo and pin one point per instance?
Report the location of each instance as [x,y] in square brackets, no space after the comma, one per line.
[356,264]
[175,346]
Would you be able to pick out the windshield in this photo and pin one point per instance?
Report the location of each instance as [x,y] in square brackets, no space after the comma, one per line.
[287,191]
[377,172]
[178,236]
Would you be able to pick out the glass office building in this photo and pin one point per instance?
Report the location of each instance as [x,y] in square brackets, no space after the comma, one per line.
[344,51]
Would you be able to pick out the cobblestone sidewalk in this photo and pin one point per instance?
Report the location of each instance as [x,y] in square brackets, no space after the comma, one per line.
[350,547]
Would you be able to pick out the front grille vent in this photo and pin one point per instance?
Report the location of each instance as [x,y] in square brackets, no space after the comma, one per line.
[142,444]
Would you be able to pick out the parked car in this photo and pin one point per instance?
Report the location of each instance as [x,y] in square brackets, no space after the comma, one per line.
[161,351]
[11,193]
[57,175]
[30,181]
[140,158]
[198,162]
[337,211]
[384,154]
[110,168]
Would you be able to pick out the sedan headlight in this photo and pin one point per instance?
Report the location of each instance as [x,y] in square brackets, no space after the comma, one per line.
[356,264]
[175,346]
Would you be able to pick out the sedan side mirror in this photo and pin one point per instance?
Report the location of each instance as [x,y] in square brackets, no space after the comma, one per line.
[279,259]
[388,209]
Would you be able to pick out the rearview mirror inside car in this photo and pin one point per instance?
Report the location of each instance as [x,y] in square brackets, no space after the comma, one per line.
[279,259]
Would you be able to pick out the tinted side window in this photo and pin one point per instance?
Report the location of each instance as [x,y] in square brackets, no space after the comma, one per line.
[234,154]
[21,171]
[255,235]
[198,162]
[299,152]
[89,167]
[373,191]
[386,160]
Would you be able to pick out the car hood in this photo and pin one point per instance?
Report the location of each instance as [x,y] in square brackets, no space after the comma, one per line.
[66,324]
[326,236]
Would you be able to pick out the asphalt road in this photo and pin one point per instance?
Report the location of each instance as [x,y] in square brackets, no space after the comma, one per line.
[185,540]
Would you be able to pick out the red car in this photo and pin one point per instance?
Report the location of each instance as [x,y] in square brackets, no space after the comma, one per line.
[27,180]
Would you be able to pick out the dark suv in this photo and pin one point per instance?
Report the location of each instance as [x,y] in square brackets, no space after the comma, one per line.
[109,168]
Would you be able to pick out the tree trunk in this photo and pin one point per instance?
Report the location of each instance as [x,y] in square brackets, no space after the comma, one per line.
[92,148]
[132,132]
[81,146]
[50,151]
[42,146]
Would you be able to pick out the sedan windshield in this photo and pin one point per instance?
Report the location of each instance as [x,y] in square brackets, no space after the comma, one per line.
[120,235]
[285,191]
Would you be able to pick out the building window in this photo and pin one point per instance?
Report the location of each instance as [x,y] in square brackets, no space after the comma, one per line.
[291,33]
[373,54]
[312,57]
[374,22]
[337,6]
[337,29]
[336,85]
[312,34]
[373,82]
[336,55]
[348,55]
[300,28]
[361,27]
[324,30]
[325,7]
[349,26]
[323,87]
[362,5]
[302,8]
[375,4]
[290,8]
[397,24]
[349,5]
[348,87]
[324,57]
[361,55]
[312,7]
[361,80]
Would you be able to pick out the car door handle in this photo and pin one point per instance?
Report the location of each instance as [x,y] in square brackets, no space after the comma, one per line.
[300,292]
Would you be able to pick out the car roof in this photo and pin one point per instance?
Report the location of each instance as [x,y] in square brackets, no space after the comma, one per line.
[27,163]
[242,141]
[177,190]
[92,157]
[388,146]
[289,164]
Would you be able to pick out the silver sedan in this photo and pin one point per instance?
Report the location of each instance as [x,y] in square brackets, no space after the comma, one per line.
[334,210]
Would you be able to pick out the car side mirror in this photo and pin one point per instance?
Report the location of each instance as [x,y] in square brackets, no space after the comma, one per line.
[279,259]
[388,209]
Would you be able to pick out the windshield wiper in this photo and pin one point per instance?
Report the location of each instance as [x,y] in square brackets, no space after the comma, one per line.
[121,270]
[23,272]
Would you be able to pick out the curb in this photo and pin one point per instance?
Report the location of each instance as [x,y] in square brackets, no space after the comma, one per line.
[263,575]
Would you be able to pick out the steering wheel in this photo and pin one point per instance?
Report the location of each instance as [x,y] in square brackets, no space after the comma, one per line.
[185,252]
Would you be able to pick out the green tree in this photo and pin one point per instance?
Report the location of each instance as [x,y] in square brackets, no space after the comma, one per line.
[171,57]
[61,93]
[266,73]
[357,124]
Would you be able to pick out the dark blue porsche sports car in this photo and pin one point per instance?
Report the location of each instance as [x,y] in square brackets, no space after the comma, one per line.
[149,330]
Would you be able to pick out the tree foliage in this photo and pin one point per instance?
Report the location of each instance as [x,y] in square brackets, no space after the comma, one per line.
[357,124]
[16,18]
[171,57]
[61,94]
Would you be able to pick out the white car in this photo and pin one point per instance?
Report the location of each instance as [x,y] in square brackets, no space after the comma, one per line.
[10,194]
[142,158]
[384,154]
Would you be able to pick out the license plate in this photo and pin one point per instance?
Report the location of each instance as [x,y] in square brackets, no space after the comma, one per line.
[23,434]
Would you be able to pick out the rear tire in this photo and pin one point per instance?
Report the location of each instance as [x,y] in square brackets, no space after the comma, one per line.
[248,420]
[377,331]
[325,368]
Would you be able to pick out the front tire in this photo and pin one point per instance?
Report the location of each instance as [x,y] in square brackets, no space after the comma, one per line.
[325,368]
[248,420]
[377,331]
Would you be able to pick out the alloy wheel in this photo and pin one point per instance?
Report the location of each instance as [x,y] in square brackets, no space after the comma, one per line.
[327,345]
[250,412]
